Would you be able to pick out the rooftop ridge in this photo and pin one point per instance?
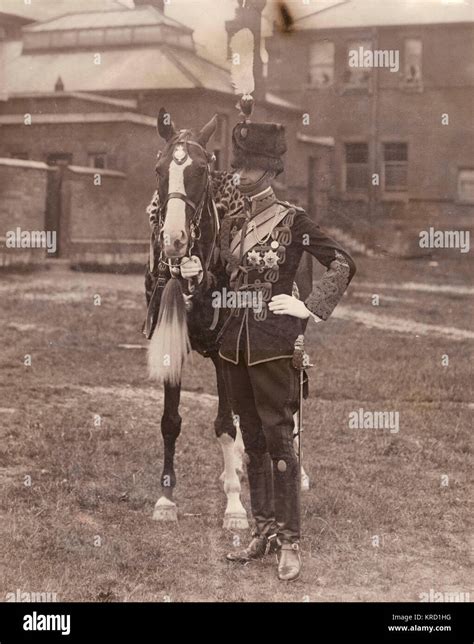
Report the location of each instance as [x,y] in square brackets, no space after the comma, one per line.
[42,25]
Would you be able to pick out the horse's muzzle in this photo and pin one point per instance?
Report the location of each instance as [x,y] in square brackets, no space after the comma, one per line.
[175,245]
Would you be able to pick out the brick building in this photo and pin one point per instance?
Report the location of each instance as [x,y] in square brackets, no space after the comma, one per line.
[412,127]
[83,90]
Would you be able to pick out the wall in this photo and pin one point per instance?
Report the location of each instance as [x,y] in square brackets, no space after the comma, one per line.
[395,228]
[95,224]
[102,224]
[23,193]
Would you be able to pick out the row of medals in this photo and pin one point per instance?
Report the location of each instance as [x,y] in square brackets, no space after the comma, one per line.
[266,258]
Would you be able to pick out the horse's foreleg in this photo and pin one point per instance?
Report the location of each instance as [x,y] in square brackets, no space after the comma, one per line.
[165,508]
[230,439]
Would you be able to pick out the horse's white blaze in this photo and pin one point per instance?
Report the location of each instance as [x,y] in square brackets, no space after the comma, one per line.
[175,220]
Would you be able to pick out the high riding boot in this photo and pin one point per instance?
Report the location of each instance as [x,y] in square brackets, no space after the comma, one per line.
[259,470]
[286,485]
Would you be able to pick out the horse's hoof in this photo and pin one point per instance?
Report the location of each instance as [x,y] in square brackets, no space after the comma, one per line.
[235,521]
[304,482]
[165,510]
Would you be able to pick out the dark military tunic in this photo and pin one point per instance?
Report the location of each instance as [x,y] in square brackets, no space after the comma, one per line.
[275,236]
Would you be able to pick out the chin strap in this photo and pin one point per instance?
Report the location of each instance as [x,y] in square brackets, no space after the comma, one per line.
[256,187]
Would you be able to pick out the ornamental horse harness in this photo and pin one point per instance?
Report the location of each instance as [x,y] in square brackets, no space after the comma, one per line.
[180,156]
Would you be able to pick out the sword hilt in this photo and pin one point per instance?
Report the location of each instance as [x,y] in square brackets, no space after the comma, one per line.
[300,359]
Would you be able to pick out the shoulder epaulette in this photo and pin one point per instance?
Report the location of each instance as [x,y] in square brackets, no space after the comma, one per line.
[289,205]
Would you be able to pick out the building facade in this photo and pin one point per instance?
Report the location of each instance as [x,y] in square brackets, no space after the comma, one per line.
[400,118]
[83,91]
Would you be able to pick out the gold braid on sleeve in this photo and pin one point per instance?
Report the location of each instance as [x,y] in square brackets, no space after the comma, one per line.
[328,291]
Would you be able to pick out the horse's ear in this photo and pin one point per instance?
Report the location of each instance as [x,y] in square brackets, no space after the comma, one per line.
[207,131]
[166,128]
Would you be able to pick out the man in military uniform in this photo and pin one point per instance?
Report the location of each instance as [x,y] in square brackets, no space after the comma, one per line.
[262,247]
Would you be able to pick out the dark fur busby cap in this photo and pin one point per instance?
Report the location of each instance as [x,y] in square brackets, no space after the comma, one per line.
[258,146]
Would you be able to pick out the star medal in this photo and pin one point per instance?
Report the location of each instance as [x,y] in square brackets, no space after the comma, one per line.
[270,259]
[254,258]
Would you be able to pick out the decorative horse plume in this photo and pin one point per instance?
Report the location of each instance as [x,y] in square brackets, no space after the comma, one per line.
[170,344]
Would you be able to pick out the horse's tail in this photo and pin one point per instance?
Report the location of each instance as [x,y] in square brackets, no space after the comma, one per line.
[170,345]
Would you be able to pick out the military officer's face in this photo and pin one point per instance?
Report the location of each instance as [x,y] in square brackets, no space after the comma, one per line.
[250,176]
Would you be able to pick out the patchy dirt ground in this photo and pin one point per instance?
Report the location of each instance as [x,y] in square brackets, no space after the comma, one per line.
[77,499]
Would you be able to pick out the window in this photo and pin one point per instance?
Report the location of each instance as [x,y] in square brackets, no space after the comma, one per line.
[412,61]
[36,40]
[356,75]
[321,64]
[357,167]
[118,36]
[395,167]
[98,160]
[59,158]
[147,34]
[90,37]
[466,185]
[63,39]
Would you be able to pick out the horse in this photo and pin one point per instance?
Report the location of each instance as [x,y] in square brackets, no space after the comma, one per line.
[185,215]
[180,315]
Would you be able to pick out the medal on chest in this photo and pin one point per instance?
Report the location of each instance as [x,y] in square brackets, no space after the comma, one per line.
[263,259]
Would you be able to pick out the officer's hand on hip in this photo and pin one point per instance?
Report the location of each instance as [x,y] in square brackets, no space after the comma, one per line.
[288,305]
[191,267]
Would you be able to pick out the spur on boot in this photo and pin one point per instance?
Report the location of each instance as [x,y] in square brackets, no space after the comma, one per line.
[259,546]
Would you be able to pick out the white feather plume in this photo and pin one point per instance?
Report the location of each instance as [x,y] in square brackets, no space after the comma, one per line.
[242,53]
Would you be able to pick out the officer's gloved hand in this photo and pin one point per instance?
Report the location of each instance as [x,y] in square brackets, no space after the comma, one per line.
[289,305]
[191,267]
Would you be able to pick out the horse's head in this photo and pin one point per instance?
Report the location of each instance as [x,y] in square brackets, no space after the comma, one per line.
[183,170]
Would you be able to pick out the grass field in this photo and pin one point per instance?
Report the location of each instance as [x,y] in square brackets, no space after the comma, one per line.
[83,529]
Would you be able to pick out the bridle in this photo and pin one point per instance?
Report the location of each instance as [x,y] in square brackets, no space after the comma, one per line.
[197,211]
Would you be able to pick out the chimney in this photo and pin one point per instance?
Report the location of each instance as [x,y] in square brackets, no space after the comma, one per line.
[158,4]
[59,87]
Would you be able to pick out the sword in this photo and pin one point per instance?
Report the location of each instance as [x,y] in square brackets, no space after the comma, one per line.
[300,362]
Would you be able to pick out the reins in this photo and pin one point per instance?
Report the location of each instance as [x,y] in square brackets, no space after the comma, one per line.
[195,224]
